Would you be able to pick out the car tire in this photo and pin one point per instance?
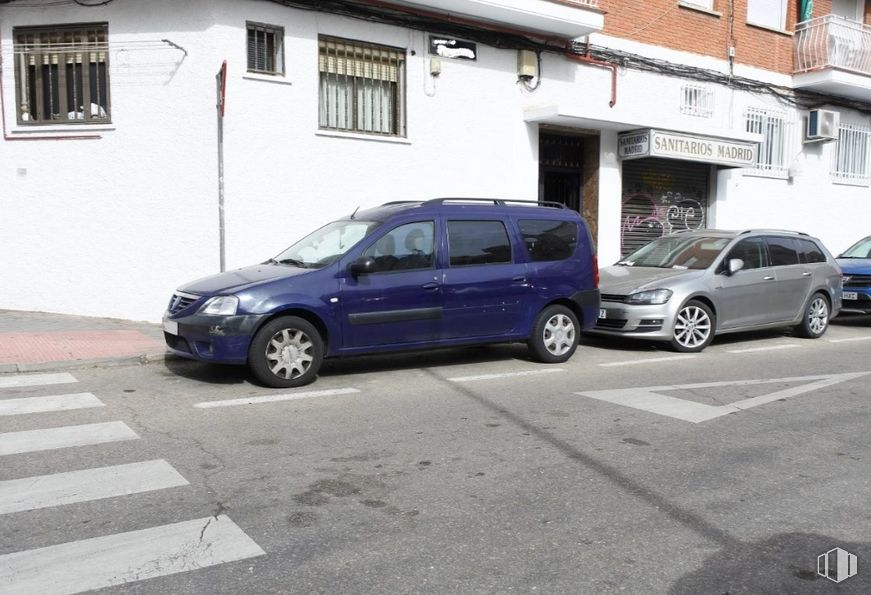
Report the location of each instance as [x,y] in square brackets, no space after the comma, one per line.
[815,319]
[286,352]
[554,336]
[693,327]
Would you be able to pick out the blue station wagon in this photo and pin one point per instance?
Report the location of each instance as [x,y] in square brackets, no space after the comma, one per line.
[405,275]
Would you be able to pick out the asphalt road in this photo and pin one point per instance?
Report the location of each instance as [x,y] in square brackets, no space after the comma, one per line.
[627,469]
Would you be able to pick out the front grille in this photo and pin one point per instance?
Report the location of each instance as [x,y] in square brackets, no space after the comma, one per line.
[612,297]
[858,281]
[180,301]
[611,323]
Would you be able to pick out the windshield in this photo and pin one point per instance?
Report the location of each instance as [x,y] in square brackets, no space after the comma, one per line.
[861,249]
[677,252]
[326,245]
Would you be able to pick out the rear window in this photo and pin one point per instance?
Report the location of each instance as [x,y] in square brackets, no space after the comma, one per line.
[478,242]
[549,240]
[810,252]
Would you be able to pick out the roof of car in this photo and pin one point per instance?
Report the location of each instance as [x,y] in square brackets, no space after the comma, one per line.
[467,205]
[731,233]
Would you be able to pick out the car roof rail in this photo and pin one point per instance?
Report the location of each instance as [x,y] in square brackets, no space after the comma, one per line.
[501,202]
[763,230]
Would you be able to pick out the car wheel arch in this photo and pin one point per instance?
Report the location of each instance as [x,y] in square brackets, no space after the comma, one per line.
[706,301]
[306,315]
[576,310]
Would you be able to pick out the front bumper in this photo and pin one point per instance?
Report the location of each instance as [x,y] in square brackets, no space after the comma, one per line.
[642,322]
[862,303]
[219,339]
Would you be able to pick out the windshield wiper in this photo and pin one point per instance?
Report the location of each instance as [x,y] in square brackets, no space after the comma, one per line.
[293,262]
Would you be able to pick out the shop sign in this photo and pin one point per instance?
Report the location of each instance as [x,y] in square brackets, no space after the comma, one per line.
[674,145]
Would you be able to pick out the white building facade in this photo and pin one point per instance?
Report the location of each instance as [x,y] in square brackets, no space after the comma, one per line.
[111,187]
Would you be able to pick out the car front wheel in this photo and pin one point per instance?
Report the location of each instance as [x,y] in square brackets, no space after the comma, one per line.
[554,335]
[286,352]
[815,321]
[693,327]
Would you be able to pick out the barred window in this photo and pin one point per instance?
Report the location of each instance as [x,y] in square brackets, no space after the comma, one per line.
[772,159]
[696,100]
[853,156]
[62,74]
[265,49]
[362,87]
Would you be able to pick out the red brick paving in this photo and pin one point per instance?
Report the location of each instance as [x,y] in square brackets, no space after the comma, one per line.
[41,347]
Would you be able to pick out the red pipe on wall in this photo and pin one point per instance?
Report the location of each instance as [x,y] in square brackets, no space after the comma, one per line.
[586,58]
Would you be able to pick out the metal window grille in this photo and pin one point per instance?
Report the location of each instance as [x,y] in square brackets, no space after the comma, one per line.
[265,49]
[852,160]
[362,87]
[697,100]
[772,158]
[62,74]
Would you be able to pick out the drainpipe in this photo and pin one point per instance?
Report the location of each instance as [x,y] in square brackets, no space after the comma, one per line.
[6,136]
[587,58]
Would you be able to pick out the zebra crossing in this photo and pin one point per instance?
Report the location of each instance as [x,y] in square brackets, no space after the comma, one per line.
[102,560]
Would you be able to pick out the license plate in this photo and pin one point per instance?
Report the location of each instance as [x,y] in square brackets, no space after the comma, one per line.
[170,326]
[603,313]
[850,295]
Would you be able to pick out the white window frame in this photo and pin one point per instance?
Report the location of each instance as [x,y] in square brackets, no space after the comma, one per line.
[696,100]
[361,88]
[770,14]
[773,155]
[851,157]
[703,4]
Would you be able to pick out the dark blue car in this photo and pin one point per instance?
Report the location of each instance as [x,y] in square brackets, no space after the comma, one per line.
[407,275]
[856,265]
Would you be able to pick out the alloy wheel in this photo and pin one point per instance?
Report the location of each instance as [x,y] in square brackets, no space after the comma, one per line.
[692,327]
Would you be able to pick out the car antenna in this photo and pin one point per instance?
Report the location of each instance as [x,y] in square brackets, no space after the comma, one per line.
[355,211]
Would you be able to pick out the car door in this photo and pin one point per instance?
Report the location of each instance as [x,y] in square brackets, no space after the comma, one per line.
[400,302]
[484,285]
[793,278]
[744,297]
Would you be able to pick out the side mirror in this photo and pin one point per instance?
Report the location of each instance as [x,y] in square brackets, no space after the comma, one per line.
[735,265]
[362,266]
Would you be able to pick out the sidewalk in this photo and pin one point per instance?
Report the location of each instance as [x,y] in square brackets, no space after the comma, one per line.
[39,341]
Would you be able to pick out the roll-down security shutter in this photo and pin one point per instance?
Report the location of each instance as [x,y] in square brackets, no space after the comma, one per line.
[661,196]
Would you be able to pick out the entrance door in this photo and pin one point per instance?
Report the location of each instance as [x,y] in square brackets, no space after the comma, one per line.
[561,169]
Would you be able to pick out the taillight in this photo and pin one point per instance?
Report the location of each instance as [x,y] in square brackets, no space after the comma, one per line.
[595,271]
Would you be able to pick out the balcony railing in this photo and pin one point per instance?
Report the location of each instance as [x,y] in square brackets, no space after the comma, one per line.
[833,42]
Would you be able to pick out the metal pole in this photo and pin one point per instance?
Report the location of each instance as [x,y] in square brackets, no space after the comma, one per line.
[221,83]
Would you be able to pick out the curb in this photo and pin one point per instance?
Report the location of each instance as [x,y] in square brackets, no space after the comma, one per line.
[103,362]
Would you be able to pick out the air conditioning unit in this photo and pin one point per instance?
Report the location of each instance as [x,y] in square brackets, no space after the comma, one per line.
[822,125]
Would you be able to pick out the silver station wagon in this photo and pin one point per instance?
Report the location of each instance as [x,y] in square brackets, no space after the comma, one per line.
[688,287]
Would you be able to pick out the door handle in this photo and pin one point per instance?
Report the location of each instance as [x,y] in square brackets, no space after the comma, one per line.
[519,279]
[768,278]
[806,274]
[431,286]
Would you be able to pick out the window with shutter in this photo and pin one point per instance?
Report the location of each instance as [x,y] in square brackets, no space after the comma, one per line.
[265,48]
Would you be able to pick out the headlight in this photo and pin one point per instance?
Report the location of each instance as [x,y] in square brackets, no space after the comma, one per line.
[652,297]
[221,305]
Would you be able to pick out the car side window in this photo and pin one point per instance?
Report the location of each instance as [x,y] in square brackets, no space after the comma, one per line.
[810,252]
[548,240]
[478,242]
[404,248]
[752,251]
[782,251]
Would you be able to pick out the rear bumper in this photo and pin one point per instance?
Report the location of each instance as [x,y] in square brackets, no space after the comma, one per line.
[588,301]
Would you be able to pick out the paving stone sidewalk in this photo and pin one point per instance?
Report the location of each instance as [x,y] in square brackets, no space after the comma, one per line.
[39,341]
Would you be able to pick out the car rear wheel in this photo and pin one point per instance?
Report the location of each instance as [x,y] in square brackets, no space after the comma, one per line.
[286,352]
[554,335]
[815,321]
[693,327]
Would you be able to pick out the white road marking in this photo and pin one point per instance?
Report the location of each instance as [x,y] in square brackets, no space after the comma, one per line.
[48,404]
[276,398]
[649,360]
[648,398]
[35,380]
[125,557]
[850,339]
[769,348]
[44,491]
[64,437]
[504,375]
